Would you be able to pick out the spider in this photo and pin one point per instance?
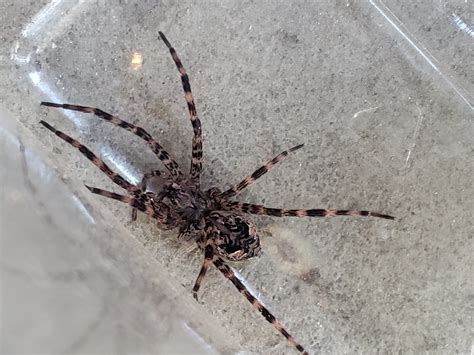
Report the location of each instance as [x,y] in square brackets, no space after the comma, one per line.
[210,217]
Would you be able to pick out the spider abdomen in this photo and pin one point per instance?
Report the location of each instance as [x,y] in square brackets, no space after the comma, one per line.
[235,238]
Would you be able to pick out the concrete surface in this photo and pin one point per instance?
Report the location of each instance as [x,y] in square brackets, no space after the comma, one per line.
[381,93]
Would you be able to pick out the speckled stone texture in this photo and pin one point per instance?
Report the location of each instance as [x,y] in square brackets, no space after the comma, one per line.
[379,92]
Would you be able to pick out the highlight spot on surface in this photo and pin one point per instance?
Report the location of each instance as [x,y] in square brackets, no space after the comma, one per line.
[137,61]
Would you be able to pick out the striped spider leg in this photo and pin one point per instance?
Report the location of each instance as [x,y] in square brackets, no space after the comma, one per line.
[137,198]
[159,151]
[233,243]
[281,212]
[196,161]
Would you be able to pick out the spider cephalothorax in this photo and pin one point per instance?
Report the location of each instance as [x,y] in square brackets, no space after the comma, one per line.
[209,217]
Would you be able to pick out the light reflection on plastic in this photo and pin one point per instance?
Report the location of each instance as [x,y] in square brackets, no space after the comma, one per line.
[83,209]
[137,61]
[463,26]
[370,109]
[19,58]
[251,290]
[426,56]
[199,339]
[35,78]
[40,18]
[51,20]
[120,164]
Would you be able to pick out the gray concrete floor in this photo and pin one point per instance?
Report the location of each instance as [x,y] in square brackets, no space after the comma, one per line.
[381,93]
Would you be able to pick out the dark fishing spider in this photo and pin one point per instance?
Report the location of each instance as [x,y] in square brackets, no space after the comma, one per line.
[209,217]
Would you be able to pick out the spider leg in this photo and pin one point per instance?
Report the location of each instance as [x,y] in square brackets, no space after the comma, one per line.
[134,214]
[142,187]
[208,259]
[116,178]
[135,202]
[196,165]
[149,175]
[282,212]
[159,151]
[229,273]
[234,190]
